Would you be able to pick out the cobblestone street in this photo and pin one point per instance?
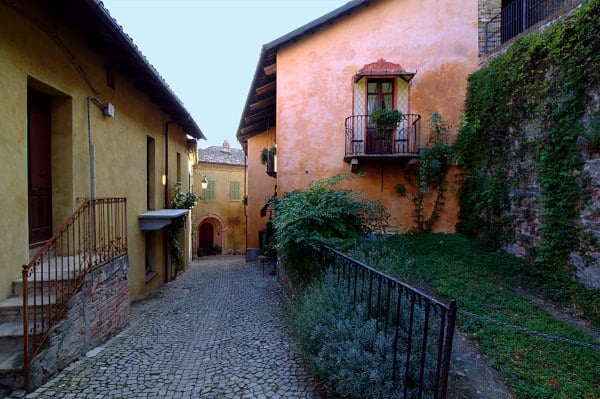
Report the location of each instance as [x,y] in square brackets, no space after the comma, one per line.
[218,331]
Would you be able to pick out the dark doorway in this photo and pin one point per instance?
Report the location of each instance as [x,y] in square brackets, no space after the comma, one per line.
[380,95]
[205,238]
[39,165]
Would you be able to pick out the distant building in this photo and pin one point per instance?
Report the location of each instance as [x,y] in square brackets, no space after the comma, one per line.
[219,216]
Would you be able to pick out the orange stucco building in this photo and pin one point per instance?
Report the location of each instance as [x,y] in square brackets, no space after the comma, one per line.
[315,89]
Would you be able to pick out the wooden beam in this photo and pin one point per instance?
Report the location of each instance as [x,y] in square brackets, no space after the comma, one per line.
[255,127]
[263,103]
[258,115]
[268,88]
[270,69]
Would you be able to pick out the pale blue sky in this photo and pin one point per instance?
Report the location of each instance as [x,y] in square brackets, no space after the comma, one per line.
[207,50]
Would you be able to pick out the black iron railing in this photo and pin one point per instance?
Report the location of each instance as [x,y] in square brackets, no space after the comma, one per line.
[517,17]
[422,327]
[363,137]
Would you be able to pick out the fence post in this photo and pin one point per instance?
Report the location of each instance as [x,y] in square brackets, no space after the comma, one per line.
[448,348]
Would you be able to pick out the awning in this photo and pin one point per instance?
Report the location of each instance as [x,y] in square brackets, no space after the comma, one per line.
[156,220]
[383,68]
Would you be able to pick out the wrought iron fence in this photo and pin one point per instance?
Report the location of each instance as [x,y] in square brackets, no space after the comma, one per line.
[94,235]
[362,136]
[422,327]
[517,17]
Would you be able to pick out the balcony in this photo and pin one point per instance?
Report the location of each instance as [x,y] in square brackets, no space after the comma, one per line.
[364,141]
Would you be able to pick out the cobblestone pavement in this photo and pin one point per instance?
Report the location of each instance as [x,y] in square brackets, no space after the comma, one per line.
[218,331]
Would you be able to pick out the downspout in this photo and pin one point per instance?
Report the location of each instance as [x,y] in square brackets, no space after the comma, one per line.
[246,198]
[166,255]
[92,150]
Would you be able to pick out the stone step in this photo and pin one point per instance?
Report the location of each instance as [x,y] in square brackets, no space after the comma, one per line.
[11,371]
[11,309]
[11,339]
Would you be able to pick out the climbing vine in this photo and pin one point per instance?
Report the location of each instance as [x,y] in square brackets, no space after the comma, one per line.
[524,113]
[429,175]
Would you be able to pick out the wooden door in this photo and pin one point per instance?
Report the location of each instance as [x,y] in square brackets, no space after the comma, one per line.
[39,165]
[380,95]
[206,237]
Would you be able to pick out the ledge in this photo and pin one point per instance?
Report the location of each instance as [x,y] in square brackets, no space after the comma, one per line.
[156,220]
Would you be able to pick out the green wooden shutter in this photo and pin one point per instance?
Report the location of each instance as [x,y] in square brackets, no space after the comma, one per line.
[210,194]
[234,192]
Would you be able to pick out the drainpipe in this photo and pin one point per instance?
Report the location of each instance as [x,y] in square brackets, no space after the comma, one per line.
[167,163]
[92,150]
[166,255]
[108,110]
[246,198]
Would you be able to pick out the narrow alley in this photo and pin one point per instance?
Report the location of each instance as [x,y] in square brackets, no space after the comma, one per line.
[217,331]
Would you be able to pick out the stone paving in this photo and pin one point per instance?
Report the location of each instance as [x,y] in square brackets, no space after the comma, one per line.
[217,331]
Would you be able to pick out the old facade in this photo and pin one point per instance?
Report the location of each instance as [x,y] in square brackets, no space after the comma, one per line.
[219,216]
[315,89]
[92,140]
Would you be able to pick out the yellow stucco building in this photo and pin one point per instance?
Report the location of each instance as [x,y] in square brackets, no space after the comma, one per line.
[219,217]
[83,114]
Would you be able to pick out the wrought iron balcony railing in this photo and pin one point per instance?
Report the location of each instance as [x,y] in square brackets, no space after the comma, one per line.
[363,138]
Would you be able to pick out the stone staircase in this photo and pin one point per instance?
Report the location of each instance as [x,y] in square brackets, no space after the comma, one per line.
[11,324]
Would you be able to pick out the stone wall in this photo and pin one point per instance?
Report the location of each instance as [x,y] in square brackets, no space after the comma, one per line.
[526,210]
[96,313]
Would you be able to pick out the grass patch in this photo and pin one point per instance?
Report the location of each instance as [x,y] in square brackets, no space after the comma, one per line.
[483,283]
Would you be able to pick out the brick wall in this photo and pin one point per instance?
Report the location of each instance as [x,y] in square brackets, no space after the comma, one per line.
[96,313]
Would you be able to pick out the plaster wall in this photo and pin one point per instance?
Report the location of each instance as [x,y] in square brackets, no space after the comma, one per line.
[29,57]
[226,215]
[437,39]
[262,187]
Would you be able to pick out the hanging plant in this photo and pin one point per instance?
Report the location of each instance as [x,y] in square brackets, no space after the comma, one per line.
[266,154]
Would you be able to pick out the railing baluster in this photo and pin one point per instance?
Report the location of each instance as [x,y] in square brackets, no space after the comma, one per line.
[56,272]
[412,320]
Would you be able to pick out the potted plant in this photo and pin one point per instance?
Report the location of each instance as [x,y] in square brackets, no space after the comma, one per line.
[386,121]
[267,157]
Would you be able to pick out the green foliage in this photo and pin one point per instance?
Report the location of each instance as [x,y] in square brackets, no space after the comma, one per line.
[429,175]
[321,214]
[486,283]
[386,120]
[347,348]
[528,104]
[183,200]
[267,154]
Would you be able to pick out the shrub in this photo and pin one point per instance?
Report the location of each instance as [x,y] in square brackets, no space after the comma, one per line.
[349,350]
[321,214]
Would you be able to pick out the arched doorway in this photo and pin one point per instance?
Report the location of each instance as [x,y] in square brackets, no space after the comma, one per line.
[205,239]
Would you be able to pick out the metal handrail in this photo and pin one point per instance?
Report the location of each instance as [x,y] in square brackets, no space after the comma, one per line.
[427,326]
[363,137]
[519,16]
[93,235]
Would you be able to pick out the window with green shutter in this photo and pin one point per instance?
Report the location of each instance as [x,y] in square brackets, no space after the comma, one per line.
[234,192]
[210,195]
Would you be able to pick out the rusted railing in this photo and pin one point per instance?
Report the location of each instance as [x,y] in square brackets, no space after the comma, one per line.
[422,327]
[363,137]
[517,17]
[92,236]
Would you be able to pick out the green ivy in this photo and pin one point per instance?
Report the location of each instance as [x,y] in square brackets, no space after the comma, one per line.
[429,175]
[529,103]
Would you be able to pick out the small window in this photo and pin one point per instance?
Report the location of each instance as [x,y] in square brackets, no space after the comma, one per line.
[210,194]
[234,192]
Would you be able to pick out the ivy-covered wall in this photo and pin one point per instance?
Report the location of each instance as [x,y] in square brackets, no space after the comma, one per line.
[529,144]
